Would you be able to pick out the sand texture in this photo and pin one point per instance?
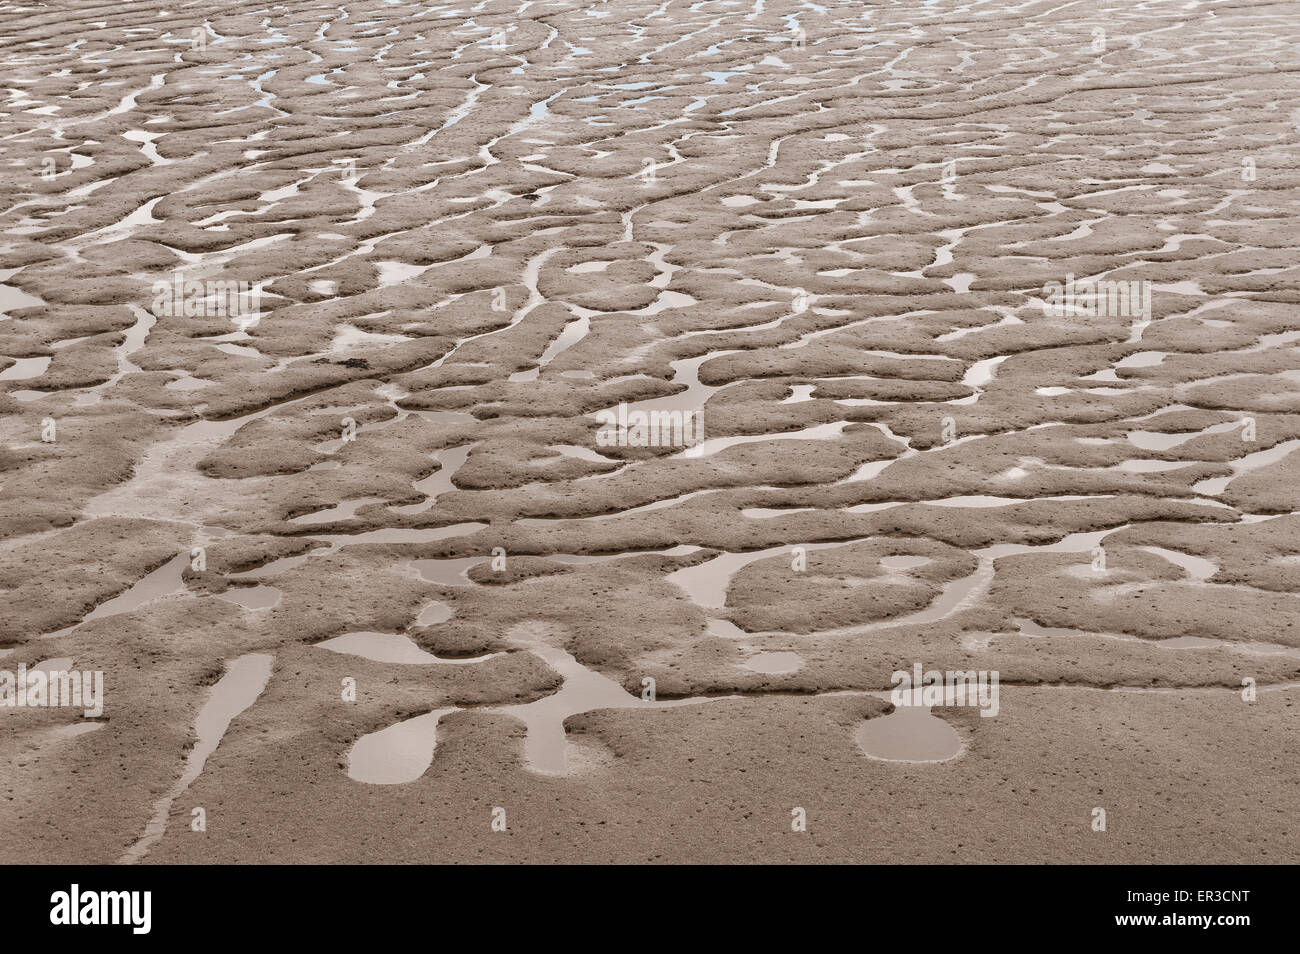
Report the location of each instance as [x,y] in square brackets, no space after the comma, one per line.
[364,578]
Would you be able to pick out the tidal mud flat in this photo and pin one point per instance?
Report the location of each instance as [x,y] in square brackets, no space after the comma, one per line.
[549,431]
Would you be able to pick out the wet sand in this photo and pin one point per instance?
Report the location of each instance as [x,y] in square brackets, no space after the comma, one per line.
[360,566]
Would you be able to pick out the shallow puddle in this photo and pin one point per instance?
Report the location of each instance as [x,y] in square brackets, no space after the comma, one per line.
[252,597]
[393,648]
[774,662]
[398,754]
[164,581]
[24,368]
[909,734]
[235,691]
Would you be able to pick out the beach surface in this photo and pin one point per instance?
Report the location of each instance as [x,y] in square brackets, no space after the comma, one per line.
[541,431]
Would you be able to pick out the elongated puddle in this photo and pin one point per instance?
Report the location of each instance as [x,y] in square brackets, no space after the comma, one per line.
[392,648]
[164,581]
[1254,461]
[13,297]
[24,368]
[546,746]
[449,461]
[243,682]
[337,513]
[404,751]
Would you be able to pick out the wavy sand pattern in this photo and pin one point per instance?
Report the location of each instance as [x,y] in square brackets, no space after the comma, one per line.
[424,246]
